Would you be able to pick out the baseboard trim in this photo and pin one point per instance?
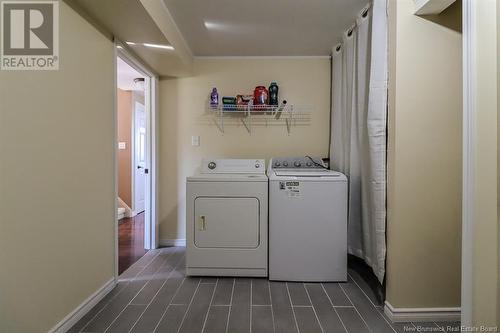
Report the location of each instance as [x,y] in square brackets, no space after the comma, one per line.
[71,319]
[421,314]
[128,211]
[173,242]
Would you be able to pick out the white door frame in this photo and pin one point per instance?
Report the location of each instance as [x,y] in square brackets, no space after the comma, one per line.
[469,144]
[133,148]
[151,107]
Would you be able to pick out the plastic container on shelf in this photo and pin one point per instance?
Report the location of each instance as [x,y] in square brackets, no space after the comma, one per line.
[214,98]
[273,94]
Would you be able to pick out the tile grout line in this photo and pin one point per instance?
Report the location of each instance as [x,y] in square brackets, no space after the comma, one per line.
[230,305]
[291,306]
[251,301]
[271,301]
[359,287]
[355,308]
[189,306]
[170,303]
[314,310]
[383,317]
[210,305]
[440,328]
[164,282]
[301,306]
[126,285]
[161,266]
[347,296]
[144,286]
[344,306]
[331,303]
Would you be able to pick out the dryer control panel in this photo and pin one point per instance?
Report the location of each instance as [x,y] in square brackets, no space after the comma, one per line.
[230,166]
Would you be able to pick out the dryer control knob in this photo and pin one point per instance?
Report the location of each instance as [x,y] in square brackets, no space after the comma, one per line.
[277,164]
[308,164]
[297,164]
[285,164]
[257,165]
[212,165]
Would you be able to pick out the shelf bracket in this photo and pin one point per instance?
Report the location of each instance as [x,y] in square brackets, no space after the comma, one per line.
[219,121]
[247,126]
[219,126]
[288,120]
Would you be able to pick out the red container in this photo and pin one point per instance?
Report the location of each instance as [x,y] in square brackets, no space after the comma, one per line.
[260,95]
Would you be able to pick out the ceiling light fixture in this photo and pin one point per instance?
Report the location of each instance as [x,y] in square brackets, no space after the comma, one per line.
[139,83]
[210,25]
[229,27]
[158,46]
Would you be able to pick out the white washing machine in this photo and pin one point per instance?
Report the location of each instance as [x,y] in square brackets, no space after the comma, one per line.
[307,221]
[226,223]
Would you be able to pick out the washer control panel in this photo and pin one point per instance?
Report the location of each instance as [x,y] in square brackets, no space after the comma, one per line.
[297,163]
[256,166]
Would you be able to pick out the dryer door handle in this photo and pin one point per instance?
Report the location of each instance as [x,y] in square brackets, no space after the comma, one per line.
[202,223]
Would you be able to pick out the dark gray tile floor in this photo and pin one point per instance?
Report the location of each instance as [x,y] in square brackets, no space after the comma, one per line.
[154,295]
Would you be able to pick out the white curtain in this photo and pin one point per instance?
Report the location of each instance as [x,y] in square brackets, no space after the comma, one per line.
[359,126]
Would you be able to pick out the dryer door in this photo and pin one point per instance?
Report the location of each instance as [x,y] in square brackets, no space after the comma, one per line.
[226,222]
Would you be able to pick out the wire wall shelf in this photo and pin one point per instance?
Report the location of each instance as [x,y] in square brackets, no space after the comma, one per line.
[287,115]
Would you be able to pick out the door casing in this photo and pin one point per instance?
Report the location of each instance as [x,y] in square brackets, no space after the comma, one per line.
[151,105]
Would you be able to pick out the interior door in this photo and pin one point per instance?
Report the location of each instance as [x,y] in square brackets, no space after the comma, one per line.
[139,157]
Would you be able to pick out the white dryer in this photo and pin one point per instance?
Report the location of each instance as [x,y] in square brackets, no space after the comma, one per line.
[307,221]
[226,219]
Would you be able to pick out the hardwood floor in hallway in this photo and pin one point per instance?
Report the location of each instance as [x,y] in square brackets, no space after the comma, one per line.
[130,241]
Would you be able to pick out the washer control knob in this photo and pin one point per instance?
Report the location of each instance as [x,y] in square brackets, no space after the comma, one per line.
[257,165]
[212,165]
[277,164]
[297,164]
[308,164]
[285,164]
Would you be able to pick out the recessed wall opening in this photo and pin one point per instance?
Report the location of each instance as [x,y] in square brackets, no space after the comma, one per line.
[135,225]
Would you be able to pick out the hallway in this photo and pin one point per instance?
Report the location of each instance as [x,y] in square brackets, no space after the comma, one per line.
[130,241]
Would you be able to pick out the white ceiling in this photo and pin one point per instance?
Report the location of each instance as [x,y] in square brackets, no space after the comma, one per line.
[263,27]
[128,21]
[126,75]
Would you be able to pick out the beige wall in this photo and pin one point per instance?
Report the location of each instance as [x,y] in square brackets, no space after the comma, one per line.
[56,181]
[124,120]
[302,81]
[424,158]
[498,165]
[485,232]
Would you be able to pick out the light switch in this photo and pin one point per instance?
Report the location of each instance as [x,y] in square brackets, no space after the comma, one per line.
[122,145]
[195,140]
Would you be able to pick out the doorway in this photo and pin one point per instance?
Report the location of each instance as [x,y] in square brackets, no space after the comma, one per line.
[135,155]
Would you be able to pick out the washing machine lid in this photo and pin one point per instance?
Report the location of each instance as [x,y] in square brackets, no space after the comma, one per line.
[236,177]
[306,173]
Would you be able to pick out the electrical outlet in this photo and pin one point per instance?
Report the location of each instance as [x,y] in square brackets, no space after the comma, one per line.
[122,145]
